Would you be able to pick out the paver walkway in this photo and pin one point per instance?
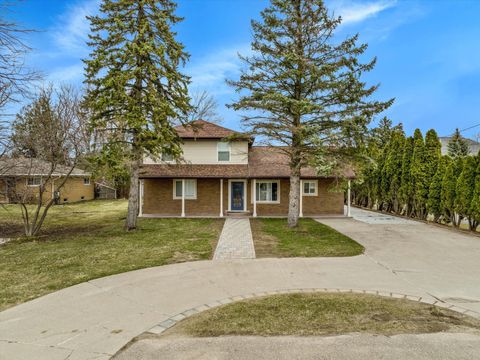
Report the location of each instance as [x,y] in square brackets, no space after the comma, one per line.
[235,241]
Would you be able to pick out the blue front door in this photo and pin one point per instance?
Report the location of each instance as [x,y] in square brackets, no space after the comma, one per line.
[237,196]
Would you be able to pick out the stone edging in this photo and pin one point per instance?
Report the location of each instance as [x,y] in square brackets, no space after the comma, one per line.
[168,323]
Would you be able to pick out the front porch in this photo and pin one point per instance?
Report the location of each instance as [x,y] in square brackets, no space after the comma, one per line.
[221,197]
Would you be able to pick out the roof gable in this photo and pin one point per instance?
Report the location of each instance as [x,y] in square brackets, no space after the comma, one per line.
[201,129]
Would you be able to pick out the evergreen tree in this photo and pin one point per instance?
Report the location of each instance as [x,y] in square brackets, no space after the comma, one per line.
[458,146]
[135,89]
[406,187]
[465,191]
[449,191]
[475,204]
[434,202]
[300,88]
[433,153]
[393,170]
[419,175]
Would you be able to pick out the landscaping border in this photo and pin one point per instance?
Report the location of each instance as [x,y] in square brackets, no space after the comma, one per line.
[171,321]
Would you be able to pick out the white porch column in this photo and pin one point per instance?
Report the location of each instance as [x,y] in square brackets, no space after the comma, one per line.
[301,199]
[349,199]
[183,197]
[221,197]
[140,205]
[254,197]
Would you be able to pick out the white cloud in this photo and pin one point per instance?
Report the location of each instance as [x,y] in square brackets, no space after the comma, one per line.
[71,32]
[209,73]
[355,12]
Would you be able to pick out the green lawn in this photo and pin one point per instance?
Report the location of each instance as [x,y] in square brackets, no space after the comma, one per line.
[85,241]
[273,238]
[322,314]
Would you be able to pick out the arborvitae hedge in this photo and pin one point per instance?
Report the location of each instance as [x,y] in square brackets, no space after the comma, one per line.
[409,176]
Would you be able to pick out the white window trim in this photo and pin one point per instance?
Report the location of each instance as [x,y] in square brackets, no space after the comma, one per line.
[316,187]
[230,194]
[266,202]
[229,152]
[89,182]
[175,197]
[33,177]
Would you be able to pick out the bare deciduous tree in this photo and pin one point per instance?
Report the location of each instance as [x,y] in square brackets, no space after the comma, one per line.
[51,127]
[204,107]
[15,77]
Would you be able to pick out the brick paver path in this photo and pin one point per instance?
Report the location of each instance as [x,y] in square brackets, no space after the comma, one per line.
[235,241]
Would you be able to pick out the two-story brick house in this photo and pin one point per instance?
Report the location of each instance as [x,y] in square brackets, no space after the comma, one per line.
[216,178]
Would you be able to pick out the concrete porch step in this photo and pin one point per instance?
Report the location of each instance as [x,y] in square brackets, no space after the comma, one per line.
[238,213]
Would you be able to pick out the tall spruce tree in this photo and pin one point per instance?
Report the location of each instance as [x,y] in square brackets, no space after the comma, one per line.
[301,89]
[406,187]
[434,202]
[135,88]
[465,191]
[457,146]
[419,175]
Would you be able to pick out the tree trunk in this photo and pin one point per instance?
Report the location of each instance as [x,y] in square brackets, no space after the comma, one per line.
[294,200]
[132,213]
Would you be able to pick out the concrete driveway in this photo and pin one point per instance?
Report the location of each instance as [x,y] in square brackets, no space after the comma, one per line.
[95,319]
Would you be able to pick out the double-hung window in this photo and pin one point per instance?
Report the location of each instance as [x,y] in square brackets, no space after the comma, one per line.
[310,188]
[34,181]
[223,151]
[190,189]
[268,191]
[86,181]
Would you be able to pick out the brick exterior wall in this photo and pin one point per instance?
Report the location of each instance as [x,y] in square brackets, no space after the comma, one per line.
[74,190]
[158,199]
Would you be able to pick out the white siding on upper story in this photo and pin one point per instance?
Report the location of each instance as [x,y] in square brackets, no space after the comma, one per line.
[205,152]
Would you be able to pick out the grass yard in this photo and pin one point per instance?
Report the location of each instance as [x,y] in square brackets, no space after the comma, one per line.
[273,238]
[320,314]
[84,241]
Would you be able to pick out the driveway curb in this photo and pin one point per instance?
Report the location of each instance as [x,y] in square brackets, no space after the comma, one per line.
[168,323]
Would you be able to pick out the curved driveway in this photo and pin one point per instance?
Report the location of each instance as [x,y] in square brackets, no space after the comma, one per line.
[95,319]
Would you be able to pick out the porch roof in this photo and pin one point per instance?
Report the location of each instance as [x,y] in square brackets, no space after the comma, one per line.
[263,162]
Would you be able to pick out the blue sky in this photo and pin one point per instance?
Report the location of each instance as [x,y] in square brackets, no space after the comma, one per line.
[428,51]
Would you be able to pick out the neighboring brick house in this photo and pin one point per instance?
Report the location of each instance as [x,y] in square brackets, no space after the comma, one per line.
[217,178]
[21,177]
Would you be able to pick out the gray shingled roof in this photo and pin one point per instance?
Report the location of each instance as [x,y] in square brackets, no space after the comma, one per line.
[22,166]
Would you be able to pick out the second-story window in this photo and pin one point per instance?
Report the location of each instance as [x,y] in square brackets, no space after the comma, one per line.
[167,156]
[223,149]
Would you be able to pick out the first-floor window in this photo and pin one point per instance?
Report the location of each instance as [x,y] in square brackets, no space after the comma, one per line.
[267,191]
[34,181]
[310,188]
[190,189]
